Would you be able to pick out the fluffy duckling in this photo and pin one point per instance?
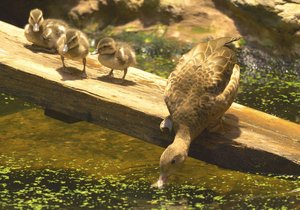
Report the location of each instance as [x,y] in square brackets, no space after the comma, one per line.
[34,29]
[115,55]
[53,29]
[198,92]
[74,45]
[44,33]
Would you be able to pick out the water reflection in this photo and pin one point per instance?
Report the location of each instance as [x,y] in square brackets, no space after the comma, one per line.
[45,162]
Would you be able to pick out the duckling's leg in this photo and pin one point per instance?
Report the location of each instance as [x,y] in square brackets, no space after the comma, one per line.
[64,66]
[125,72]
[111,73]
[166,124]
[84,75]
[63,61]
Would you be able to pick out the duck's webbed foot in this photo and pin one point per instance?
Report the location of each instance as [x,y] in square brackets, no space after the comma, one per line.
[166,125]
[216,126]
[64,65]
[84,74]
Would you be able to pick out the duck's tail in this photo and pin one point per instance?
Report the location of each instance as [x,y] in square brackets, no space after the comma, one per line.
[230,91]
[220,42]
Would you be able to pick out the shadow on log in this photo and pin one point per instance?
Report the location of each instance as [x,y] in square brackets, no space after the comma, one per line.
[254,141]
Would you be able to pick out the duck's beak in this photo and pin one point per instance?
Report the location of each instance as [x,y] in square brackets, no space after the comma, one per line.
[95,52]
[162,180]
[36,27]
[65,49]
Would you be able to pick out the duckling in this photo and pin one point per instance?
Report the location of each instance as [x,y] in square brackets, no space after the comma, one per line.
[115,55]
[52,30]
[44,33]
[74,45]
[198,92]
[34,29]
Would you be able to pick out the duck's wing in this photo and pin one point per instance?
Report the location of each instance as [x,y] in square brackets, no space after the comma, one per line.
[125,54]
[121,55]
[200,76]
[83,50]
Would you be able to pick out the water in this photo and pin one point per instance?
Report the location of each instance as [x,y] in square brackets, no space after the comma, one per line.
[48,164]
[270,84]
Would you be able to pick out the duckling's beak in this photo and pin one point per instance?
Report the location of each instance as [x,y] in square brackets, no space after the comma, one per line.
[95,52]
[162,180]
[36,27]
[65,49]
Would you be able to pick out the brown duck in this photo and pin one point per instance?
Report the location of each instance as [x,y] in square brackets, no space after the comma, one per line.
[198,92]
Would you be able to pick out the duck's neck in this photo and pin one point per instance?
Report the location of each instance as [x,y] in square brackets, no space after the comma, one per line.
[183,137]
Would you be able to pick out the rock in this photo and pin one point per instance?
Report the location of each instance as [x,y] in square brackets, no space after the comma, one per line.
[274,24]
[84,7]
[201,21]
[290,13]
[118,12]
[172,9]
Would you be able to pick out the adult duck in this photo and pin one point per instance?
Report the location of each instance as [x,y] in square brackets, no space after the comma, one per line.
[198,92]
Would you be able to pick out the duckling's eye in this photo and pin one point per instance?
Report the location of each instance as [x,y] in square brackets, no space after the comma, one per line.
[173,161]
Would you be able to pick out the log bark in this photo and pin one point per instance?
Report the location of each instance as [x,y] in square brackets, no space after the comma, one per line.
[254,141]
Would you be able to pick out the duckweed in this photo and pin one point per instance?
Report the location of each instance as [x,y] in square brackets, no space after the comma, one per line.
[65,188]
[9,104]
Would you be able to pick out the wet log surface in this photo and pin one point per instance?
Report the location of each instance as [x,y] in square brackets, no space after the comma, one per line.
[254,141]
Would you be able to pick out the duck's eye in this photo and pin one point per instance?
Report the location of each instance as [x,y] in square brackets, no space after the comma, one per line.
[173,161]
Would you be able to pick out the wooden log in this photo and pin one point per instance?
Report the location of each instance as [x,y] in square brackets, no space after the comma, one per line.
[254,141]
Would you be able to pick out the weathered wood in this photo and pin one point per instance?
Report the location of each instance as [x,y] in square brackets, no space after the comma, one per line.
[254,141]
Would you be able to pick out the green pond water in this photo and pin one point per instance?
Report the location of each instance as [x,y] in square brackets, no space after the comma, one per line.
[48,164]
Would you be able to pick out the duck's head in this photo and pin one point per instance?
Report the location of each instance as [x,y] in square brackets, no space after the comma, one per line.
[170,161]
[36,19]
[71,40]
[105,46]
